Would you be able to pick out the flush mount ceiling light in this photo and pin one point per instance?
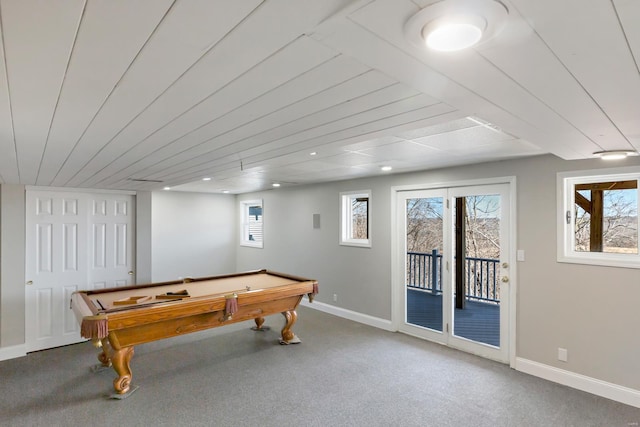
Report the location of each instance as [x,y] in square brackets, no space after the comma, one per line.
[452,33]
[452,25]
[615,154]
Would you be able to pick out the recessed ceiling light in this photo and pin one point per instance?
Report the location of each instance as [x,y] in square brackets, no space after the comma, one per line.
[225,191]
[275,184]
[206,179]
[385,168]
[313,153]
[615,154]
[167,188]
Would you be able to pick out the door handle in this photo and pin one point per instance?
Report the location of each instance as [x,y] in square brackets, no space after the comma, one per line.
[130,273]
[505,279]
[30,282]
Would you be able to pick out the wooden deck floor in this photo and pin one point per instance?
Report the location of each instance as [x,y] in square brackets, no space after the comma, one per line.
[478,321]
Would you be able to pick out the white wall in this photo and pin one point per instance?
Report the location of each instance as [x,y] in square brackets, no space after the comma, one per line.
[192,234]
[143,246]
[589,310]
[12,256]
[360,276]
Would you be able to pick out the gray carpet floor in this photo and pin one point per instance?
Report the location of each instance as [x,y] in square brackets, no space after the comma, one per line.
[342,374]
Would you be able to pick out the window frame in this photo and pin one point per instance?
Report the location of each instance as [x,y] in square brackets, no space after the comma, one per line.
[245,205]
[566,205]
[346,218]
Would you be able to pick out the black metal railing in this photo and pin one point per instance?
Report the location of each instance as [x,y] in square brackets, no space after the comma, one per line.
[424,271]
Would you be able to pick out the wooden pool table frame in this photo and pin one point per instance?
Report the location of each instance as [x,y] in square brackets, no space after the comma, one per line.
[118,329]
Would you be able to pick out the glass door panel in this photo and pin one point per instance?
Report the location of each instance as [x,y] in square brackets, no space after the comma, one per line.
[476,287]
[424,225]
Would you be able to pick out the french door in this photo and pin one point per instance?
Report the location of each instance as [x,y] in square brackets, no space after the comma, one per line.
[454,258]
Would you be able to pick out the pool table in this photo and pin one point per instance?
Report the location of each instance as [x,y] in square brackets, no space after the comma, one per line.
[117,319]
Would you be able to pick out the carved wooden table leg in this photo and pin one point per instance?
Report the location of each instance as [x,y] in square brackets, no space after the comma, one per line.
[288,337]
[259,321]
[103,357]
[121,359]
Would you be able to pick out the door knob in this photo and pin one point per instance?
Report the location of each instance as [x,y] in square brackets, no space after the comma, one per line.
[505,265]
[30,282]
[505,279]
[131,273]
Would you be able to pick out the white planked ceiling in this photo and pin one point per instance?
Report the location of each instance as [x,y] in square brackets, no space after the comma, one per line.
[140,95]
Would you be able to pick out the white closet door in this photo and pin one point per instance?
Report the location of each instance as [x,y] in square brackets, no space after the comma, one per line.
[111,241]
[64,239]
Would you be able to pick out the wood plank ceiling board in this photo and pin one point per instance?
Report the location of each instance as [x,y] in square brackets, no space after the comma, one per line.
[289,62]
[108,41]
[498,96]
[381,122]
[327,124]
[283,134]
[95,94]
[232,163]
[278,22]
[242,124]
[629,13]
[369,129]
[590,43]
[300,58]
[379,105]
[37,47]
[538,71]
[170,52]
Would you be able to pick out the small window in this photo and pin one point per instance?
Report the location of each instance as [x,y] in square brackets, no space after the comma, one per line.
[252,223]
[355,218]
[599,218]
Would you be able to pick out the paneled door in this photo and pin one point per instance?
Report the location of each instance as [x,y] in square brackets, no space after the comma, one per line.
[74,241]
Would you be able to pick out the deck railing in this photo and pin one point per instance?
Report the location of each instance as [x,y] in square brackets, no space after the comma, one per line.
[424,271]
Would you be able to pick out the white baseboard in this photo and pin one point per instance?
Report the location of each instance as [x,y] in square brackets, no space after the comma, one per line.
[351,315]
[611,391]
[13,352]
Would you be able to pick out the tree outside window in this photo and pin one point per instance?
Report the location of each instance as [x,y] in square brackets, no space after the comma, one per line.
[598,217]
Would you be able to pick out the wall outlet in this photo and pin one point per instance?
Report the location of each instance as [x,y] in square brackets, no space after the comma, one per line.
[562,354]
[335,297]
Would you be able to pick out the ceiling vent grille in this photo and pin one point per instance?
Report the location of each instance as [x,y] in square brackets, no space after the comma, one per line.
[144,180]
